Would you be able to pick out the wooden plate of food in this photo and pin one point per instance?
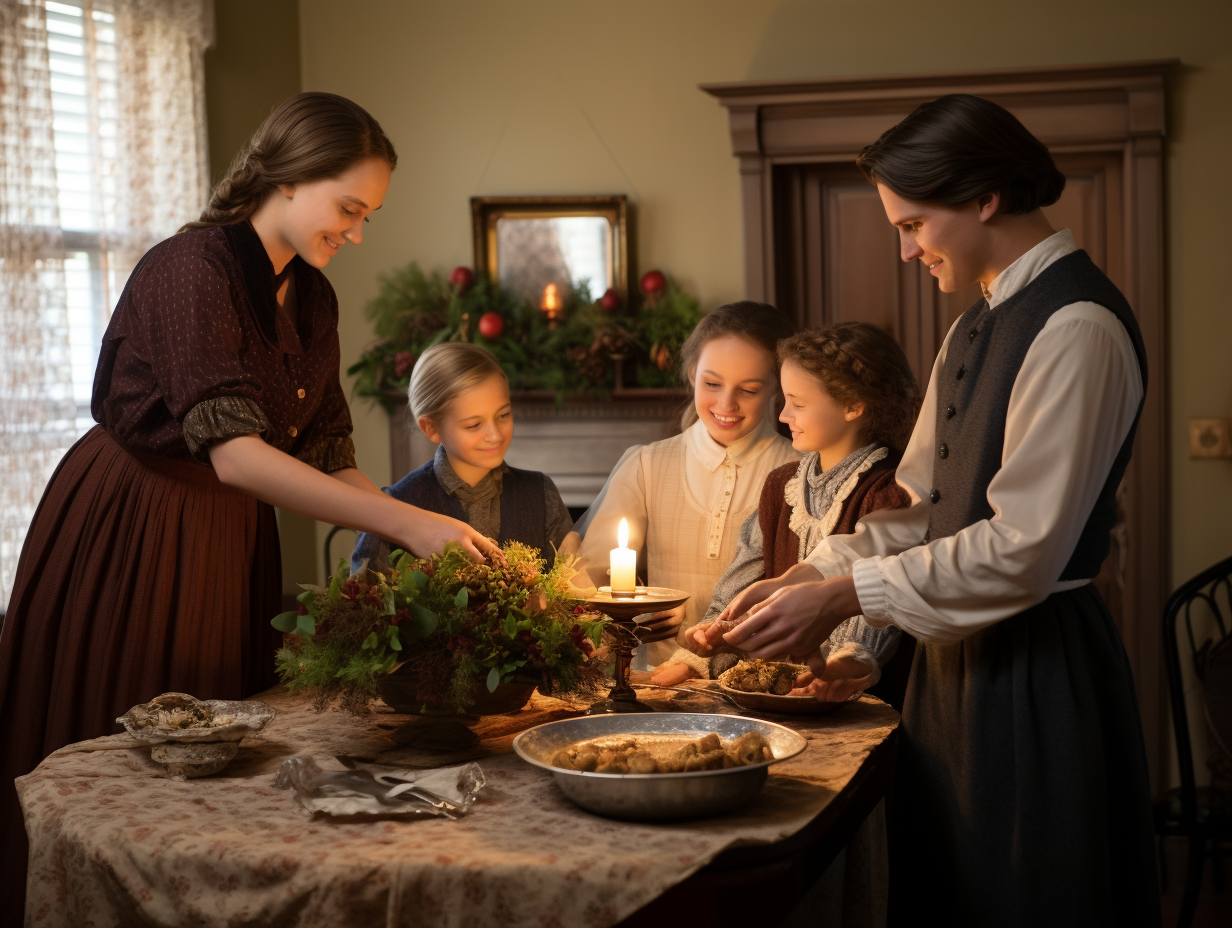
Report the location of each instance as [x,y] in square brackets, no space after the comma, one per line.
[765,685]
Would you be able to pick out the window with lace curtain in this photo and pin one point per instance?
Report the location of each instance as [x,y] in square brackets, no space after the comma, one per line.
[82,62]
[102,155]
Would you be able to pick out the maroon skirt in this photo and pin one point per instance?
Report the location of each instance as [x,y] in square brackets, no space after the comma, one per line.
[140,575]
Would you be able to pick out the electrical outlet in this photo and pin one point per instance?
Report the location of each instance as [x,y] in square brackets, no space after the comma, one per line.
[1210,438]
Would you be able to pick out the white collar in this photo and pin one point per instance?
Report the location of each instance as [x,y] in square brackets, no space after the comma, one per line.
[740,452]
[1029,266]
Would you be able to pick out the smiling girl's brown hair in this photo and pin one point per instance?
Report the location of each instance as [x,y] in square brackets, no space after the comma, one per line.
[311,136]
[859,363]
[759,324]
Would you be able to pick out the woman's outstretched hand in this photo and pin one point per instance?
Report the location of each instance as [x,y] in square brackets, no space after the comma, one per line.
[425,533]
[795,619]
[345,497]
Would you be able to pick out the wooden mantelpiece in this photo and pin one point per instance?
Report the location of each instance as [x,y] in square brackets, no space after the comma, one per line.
[816,242]
[576,443]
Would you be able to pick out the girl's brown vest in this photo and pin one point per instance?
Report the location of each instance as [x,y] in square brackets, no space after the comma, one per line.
[781,546]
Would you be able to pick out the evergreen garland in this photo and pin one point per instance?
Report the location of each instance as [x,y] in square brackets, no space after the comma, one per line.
[414,311]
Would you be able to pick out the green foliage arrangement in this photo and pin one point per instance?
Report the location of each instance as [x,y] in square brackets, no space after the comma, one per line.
[456,624]
[415,310]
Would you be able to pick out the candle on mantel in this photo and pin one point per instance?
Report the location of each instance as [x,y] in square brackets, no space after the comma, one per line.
[550,304]
[624,562]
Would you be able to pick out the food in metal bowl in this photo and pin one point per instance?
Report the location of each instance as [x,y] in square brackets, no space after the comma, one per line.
[663,753]
[758,676]
[658,797]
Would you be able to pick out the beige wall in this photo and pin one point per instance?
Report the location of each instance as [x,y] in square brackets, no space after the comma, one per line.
[584,97]
[254,66]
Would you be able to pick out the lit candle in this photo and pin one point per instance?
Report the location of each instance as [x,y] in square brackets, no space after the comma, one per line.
[624,562]
[550,304]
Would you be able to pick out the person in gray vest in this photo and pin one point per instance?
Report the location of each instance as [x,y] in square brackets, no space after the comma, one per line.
[1022,795]
[459,397]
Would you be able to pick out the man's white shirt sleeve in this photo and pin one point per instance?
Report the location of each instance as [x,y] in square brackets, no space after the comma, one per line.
[1071,406]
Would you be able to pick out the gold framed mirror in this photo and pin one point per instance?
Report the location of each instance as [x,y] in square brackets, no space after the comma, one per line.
[531,244]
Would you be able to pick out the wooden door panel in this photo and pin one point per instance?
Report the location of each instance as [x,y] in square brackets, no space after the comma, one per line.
[857,241]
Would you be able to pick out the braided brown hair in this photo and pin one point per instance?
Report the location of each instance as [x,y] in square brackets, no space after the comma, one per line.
[859,363]
[311,136]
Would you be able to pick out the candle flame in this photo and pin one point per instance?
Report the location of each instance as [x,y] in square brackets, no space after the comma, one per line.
[551,299]
[622,533]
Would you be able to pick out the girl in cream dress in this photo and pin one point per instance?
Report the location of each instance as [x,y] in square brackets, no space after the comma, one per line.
[686,497]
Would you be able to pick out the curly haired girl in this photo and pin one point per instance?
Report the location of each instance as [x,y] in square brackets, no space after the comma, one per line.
[850,402]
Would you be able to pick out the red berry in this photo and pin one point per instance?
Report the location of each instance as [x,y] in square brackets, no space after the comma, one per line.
[610,300]
[491,325]
[403,362]
[653,283]
[461,278]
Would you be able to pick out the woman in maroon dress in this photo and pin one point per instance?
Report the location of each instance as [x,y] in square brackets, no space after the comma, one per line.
[152,562]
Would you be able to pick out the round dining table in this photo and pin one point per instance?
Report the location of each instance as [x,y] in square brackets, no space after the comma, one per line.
[115,841]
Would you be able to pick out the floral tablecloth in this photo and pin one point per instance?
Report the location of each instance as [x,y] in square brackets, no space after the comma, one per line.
[114,842]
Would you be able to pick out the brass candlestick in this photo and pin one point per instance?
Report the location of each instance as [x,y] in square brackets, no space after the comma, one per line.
[622,608]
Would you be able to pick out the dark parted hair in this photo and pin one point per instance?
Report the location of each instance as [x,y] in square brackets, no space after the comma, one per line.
[759,324]
[310,136]
[959,147]
[857,362]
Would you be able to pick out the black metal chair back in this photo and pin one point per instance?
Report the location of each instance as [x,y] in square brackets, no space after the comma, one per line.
[1204,607]
[329,540]
[1213,589]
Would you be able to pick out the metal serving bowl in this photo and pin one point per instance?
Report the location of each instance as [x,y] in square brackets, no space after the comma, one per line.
[657,797]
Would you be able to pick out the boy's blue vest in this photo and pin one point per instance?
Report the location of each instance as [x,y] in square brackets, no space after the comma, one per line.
[523,514]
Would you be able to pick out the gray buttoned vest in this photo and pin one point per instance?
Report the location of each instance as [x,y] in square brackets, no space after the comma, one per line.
[985,355]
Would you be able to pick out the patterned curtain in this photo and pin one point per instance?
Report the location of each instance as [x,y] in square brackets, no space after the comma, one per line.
[134,170]
[36,401]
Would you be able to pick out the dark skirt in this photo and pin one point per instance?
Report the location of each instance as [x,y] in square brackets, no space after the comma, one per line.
[140,575]
[1022,795]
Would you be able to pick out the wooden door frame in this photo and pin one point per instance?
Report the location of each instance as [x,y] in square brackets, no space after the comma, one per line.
[1081,108]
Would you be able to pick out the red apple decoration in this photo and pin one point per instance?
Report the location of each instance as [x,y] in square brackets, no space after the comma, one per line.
[461,278]
[610,300]
[653,283]
[491,325]
[403,362]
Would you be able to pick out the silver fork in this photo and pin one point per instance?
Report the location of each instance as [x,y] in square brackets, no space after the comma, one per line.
[718,694]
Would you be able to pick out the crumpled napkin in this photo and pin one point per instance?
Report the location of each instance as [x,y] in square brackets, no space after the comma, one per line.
[343,786]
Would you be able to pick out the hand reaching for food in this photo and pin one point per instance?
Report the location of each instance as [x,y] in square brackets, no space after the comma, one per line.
[836,680]
[672,674]
[709,636]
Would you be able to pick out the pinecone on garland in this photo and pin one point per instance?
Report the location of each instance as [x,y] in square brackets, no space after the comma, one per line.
[591,364]
[611,342]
